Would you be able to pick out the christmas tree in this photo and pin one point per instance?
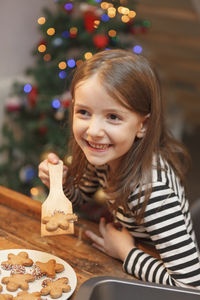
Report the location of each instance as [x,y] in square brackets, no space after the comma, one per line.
[37,110]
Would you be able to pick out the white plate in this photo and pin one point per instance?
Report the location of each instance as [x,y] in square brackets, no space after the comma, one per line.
[36,285]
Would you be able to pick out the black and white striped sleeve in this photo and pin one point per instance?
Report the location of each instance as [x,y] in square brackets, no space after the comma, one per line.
[88,186]
[167,222]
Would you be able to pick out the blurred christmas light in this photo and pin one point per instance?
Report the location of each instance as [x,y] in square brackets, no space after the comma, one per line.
[27,173]
[51,31]
[146,23]
[27,88]
[125,19]
[106,5]
[96,23]
[132,14]
[41,20]
[124,10]
[56,103]
[68,6]
[62,65]
[62,74]
[79,62]
[47,57]
[105,18]
[112,33]
[111,12]
[88,55]
[42,48]
[137,49]
[57,42]
[65,34]
[71,63]
[73,31]
[34,191]
[98,1]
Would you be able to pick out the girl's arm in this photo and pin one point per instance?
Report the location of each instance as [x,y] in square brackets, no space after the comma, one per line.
[168,228]
[85,191]
[168,223]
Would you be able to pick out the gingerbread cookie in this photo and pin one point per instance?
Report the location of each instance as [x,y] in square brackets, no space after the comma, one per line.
[19,259]
[1,288]
[28,296]
[50,268]
[6,297]
[55,288]
[58,220]
[15,281]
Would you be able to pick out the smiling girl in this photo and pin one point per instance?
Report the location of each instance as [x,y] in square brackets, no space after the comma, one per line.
[120,143]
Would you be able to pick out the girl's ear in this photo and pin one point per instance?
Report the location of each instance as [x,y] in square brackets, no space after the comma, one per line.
[143,127]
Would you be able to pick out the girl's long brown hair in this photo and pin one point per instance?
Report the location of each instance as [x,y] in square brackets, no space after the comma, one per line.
[130,79]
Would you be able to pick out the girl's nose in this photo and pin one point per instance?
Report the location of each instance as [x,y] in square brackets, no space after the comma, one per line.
[95,127]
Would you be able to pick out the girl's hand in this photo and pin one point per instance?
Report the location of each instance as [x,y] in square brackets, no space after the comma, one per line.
[43,171]
[114,242]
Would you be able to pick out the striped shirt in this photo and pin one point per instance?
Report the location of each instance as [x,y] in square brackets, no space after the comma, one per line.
[166,224]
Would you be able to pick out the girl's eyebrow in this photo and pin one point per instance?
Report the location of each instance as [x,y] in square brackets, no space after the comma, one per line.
[107,110]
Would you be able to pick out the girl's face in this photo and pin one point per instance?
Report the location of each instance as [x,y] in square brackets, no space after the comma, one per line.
[103,128]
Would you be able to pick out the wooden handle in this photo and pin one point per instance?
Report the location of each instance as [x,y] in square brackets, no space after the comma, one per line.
[56,177]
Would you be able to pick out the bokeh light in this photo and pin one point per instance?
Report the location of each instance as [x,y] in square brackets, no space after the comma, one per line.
[41,20]
[112,33]
[62,74]
[56,103]
[62,65]
[68,6]
[34,191]
[42,48]
[79,62]
[137,49]
[51,31]
[105,18]
[27,88]
[88,55]
[47,57]
[71,63]
[125,19]
[65,34]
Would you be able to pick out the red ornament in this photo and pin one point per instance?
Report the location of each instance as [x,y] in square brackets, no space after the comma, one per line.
[66,99]
[100,41]
[89,18]
[43,129]
[32,97]
[42,42]
[13,103]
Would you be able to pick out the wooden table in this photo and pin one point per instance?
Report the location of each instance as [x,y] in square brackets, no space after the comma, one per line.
[20,229]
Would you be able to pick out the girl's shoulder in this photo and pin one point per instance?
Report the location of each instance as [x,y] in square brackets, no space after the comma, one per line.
[163,173]
[164,182]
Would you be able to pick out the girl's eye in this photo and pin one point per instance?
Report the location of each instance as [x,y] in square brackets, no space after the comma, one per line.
[114,117]
[82,112]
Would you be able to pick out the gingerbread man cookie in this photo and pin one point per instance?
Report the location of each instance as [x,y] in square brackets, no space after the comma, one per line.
[1,288]
[28,296]
[6,297]
[58,220]
[55,288]
[15,281]
[50,268]
[18,259]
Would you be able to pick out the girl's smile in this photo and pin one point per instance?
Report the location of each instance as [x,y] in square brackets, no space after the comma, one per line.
[104,129]
[97,146]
